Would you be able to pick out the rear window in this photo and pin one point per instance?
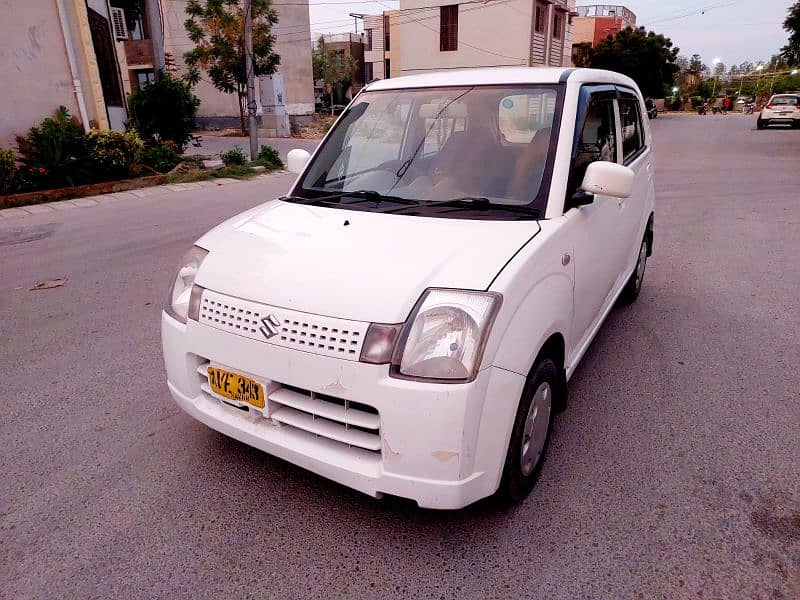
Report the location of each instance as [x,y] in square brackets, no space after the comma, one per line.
[785,100]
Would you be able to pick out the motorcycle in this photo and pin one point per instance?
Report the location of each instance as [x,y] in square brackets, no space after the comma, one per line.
[701,110]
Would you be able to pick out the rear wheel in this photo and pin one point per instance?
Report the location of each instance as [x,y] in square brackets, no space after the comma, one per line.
[531,433]
[631,290]
[761,124]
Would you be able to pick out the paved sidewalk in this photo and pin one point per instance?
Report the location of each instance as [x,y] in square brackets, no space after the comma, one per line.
[102,199]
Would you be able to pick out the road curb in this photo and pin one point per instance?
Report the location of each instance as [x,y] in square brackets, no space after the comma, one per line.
[8,214]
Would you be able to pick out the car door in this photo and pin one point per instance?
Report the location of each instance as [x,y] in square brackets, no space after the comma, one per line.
[594,226]
[636,154]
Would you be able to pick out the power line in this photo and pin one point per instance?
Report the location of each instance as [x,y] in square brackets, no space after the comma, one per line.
[690,13]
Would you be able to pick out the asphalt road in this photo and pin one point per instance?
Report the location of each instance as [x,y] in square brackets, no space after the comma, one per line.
[675,472]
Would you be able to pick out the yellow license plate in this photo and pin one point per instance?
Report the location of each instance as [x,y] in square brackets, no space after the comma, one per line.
[236,387]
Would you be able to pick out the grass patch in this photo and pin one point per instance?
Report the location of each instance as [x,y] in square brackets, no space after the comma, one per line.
[193,173]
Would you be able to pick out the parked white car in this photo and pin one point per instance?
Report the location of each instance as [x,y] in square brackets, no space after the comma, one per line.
[406,319]
[782,109]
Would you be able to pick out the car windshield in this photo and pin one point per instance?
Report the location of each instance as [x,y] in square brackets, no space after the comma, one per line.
[785,100]
[482,143]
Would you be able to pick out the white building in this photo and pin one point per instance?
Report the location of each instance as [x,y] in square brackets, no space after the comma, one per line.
[430,36]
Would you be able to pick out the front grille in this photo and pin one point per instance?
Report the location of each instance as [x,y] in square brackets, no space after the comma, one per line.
[284,327]
[349,423]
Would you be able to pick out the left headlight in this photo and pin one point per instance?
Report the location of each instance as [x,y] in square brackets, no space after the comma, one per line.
[445,335]
[183,293]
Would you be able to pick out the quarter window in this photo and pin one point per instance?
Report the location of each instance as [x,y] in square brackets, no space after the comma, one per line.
[631,123]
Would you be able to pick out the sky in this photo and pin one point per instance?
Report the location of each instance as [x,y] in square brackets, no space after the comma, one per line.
[731,30]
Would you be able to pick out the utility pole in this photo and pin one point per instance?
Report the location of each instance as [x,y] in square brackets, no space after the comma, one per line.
[251,86]
[774,75]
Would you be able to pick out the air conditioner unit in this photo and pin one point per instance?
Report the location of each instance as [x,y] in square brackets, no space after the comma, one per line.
[118,23]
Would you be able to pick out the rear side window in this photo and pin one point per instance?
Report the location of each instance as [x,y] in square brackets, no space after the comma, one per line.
[631,122]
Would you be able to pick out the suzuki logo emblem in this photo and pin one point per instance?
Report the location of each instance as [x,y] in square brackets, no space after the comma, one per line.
[269,326]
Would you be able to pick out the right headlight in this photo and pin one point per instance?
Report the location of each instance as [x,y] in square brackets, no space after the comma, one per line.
[442,340]
[184,296]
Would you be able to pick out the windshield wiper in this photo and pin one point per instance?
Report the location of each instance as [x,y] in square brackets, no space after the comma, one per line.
[363,195]
[482,203]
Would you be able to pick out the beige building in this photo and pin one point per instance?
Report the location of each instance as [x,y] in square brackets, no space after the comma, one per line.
[88,55]
[293,34]
[381,45]
[47,60]
[430,36]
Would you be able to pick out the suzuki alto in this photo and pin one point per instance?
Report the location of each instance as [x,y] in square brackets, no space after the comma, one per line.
[406,319]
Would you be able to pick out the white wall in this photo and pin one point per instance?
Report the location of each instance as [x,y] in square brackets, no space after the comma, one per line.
[488,35]
[294,50]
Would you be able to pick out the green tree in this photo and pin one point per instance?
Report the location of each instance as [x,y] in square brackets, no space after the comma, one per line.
[696,65]
[791,51]
[646,57]
[164,111]
[334,68]
[216,27]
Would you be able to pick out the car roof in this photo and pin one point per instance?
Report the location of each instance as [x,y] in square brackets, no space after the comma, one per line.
[500,76]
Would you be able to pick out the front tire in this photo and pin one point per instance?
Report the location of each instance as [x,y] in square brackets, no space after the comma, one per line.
[530,435]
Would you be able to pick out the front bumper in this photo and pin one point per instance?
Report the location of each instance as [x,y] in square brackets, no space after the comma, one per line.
[442,445]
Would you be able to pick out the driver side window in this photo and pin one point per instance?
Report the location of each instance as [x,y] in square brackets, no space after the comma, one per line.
[597,141]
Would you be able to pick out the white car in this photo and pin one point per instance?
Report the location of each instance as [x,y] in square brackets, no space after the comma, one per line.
[782,109]
[406,319]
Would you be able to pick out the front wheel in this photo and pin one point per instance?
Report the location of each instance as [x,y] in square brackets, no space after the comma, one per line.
[531,433]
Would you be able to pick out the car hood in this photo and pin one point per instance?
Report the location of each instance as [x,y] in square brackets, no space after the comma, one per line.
[350,264]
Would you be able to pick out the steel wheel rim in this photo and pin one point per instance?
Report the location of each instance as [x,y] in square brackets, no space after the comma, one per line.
[535,432]
[641,264]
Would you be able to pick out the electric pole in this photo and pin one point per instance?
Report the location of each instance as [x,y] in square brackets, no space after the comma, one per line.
[251,86]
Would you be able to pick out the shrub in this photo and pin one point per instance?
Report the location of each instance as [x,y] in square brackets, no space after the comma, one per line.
[8,171]
[161,157]
[234,156]
[114,154]
[269,157]
[56,152]
[164,110]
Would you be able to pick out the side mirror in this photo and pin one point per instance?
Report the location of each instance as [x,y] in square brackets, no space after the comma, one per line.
[608,179]
[297,159]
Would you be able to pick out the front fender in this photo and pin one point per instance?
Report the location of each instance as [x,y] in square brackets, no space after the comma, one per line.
[545,309]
